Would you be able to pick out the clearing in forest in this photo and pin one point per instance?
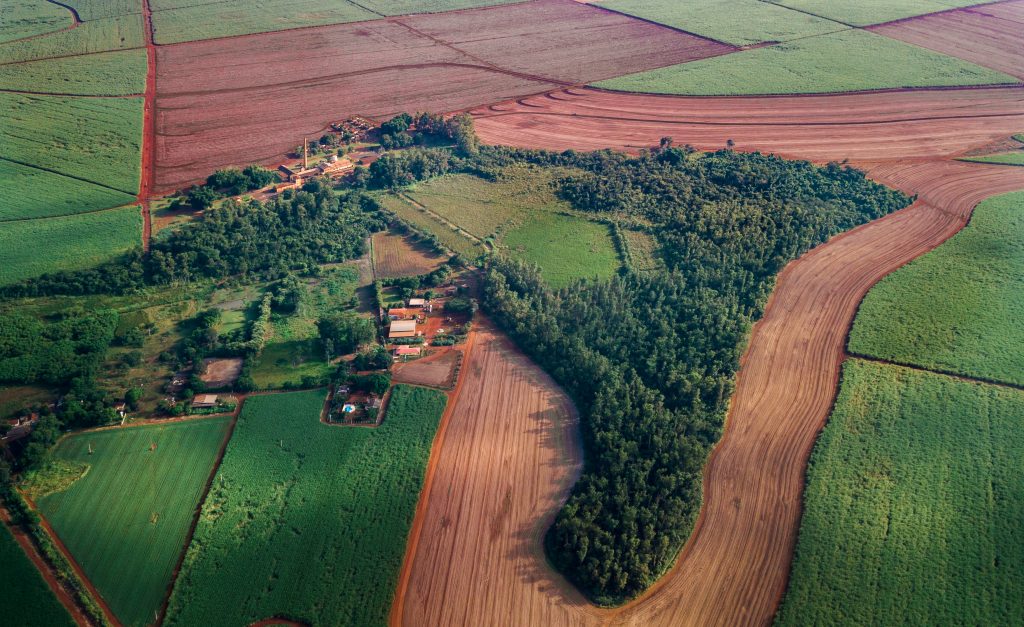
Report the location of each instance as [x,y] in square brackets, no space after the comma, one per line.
[307,520]
[959,308]
[912,505]
[126,512]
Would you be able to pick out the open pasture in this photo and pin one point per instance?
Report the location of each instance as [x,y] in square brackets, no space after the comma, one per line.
[988,35]
[95,139]
[396,255]
[31,603]
[126,521]
[849,60]
[865,12]
[27,192]
[307,520]
[212,94]
[31,18]
[912,505]
[121,73]
[959,308]
[566,247]
[738,22]
[112,33]
[29,248]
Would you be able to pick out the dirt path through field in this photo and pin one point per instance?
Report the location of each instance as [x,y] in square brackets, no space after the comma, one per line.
[484,565]
[148,171]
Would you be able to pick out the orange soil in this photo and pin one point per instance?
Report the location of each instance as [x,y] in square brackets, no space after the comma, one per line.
[433,370]
[502,476]
[398,256]
[148,172]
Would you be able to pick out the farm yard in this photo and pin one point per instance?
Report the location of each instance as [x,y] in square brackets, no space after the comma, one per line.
[307,520]
[911,512]
[36,604]
[958,308]
[126,519]
[397,255]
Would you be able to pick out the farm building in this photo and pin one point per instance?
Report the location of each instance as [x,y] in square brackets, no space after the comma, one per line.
[402,328]
[204,401]
[417,302]
[408,351]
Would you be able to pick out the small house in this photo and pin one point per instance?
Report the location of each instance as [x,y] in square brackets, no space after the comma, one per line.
[204,401]
[408,351]
[402,328]
[417,302]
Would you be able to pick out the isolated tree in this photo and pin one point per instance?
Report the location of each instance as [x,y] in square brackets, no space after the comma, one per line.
[345,330]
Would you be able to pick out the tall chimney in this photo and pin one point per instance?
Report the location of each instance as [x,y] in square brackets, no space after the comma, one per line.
[305,153]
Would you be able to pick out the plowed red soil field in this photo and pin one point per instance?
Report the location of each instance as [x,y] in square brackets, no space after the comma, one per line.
[252,98]
[988,35]
[483,562]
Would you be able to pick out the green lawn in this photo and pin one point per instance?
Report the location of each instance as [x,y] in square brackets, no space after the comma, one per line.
[27,192]
[96,139]
[848,60]
[1008,158]
[306,520]
[105,74]
[114,33]
[565,247]
[865,12]
[29,18]
[913,505]
[33,247]
[126,520]
[738,22]
[959,308]
[30,602]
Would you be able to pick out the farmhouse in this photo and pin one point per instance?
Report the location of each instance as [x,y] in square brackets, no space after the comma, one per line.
[402,328]
[404,351]
[204,401]
[417,302]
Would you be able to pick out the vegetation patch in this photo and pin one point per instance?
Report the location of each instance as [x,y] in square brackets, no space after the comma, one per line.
[121,73]
[127,520]
[30,18]
[738,22]
[1008,158]
[30,248]
[27,192]
[31,603]
[113,33]
[912,506]
[420,219]
[959,308]
[305,520]
[56,476]
[565,247]
[847,60]
[866,12]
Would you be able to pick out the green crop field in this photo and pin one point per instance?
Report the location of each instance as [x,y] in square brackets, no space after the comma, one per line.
[913,505]
[738,22]
[27,192]
[105,74]
[847,60]
[126,520]
[114,33]
[90,10]
[29,248]
[1008,158]
[565,247]
[96,139]
[30,602]
[31,18]
[865,12]
[958,308]
[306,520]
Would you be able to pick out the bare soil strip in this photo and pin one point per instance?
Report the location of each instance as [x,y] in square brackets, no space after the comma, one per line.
[148,171]
[483,564]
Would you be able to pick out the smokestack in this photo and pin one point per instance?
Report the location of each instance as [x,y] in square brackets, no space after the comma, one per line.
[305,153]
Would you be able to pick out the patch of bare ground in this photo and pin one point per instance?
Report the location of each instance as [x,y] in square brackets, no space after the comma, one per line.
[221,372]
[436,370]
[396,255]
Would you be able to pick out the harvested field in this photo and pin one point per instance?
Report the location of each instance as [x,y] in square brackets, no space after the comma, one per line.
[211,95]
[734,569]
[219,373]
[396,255]
[433,370]
[989,35]
[865,127]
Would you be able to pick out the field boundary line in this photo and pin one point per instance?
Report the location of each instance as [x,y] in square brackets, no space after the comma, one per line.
[936,371]
[69,56]
[147,169]
[967,8]
[75,23]
[29,92]
[70,176]
[600,7]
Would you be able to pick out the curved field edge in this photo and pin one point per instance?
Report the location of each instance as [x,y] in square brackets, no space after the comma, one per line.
[304,520]
[911,510]
[958,308]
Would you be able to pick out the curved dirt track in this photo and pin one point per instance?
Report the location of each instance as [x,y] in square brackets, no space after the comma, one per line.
[483,563]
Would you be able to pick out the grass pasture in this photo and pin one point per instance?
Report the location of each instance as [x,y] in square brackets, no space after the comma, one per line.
[307,520]
[112,33]
[959,308]
[27,192]
[126,520]
[866,12]
[849,60]
[31,603]
[565,247]
[95,139]
[120,73]
[31,18]
[913,505]
[30,248]
[737,22]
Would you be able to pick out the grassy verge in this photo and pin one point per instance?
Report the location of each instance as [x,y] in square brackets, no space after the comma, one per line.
[304,520]
[913,505]
[126,520]
[959,308]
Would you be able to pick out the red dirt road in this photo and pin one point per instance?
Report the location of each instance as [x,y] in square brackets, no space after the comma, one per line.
[988,35]
[243,99]
[484,565]
[148,170]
